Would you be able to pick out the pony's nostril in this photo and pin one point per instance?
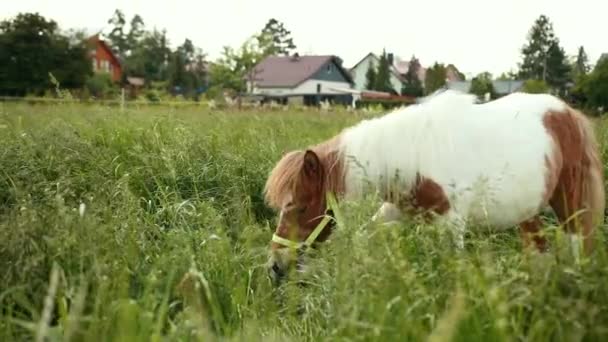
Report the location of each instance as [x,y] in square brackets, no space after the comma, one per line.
[275,268]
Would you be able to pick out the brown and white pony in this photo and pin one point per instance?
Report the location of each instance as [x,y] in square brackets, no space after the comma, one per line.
[452,161]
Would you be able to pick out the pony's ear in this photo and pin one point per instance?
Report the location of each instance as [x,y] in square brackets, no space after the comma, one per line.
[312,168]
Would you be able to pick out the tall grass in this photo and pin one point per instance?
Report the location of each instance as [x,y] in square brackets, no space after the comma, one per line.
[149,225]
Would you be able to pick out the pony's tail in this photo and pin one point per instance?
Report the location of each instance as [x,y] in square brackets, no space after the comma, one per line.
[593,195]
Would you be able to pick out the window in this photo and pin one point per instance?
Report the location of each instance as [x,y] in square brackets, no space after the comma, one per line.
[318,88]
[329,68]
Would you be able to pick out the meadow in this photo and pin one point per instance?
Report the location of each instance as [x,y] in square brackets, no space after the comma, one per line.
[149,224]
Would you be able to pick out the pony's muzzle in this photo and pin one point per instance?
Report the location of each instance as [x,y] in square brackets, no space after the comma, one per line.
[276,272]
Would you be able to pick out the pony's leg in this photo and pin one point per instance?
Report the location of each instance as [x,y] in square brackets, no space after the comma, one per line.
[529,233]
[457,226]
[387,213]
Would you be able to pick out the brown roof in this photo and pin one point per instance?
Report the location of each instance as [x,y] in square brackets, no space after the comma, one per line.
[290,71]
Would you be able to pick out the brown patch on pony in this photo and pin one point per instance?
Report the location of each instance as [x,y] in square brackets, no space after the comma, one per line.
[574,180]
[530,230]
[426,198]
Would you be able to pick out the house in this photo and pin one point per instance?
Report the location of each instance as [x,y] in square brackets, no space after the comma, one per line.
[307,79]
[403,66]
[103,59]
[501,87]
[359,72]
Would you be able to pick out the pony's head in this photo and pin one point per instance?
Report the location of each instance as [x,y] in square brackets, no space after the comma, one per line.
[297,188]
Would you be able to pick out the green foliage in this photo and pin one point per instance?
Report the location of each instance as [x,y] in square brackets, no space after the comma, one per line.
[435,78]
[383,75]
[535,87]
[149,56]
[412,85]
[542,56]
[507,76]
[149,225]
[595,86]
[482,85]
[31,47]
[581,65]
[99,85]
[187,70]
[235,69]
[275,39]
[370,76]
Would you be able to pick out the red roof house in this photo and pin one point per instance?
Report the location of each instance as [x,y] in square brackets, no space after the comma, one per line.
[103,59]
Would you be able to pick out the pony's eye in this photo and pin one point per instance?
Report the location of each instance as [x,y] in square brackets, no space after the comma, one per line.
[301,210]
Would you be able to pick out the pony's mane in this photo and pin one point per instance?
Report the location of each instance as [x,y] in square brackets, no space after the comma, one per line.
[283,178]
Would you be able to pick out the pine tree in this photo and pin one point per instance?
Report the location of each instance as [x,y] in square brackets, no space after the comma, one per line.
[535,52]
[558,69]
[435,78]
[383,77]
[543,57]
[275,39]
[581,66]
[412,85]
[370,76]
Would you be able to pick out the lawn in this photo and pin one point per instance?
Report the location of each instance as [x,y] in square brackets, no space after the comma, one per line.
[149,225]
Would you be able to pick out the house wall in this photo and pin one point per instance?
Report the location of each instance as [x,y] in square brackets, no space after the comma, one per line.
[359,72]
[103,62]
[308,87]
[329,72]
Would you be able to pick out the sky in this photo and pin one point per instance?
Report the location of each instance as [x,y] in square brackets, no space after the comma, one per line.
[474,35]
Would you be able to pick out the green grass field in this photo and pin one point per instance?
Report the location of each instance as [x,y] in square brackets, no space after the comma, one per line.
[149,225]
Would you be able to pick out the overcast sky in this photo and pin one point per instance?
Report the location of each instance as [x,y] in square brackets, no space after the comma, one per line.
[475,35]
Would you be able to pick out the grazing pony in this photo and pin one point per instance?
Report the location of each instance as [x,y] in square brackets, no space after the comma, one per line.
[448,160]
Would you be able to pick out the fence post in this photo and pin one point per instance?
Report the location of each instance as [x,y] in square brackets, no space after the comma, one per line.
[122,99]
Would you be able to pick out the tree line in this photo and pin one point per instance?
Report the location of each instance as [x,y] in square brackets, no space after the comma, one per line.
[32,48]
[34,51]
[546,68]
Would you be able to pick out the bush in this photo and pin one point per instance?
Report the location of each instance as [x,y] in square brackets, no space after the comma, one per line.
[99,85]
[595,86]
[535,87]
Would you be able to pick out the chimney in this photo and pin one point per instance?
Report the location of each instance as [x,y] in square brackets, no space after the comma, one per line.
[295,57]
[390,58]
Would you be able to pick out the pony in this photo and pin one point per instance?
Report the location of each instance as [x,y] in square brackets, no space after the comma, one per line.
[450,160]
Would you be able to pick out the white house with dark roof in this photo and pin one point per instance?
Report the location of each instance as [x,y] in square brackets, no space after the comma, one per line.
[359,72]
[301,79]
[501,87]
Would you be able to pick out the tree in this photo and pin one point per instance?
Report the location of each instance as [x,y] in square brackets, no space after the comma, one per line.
[482,85]
[150,57]
[31,48]
[595,86]
[136,32]
[187,72]
[117,35]
[581,65]
[370,76]
[412,85]
[383,75]
[535,87]
[123,42]
[543,57]
[535,52]
[435,78]
[236,69]
[558,70]
[275,39]
[507,76]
